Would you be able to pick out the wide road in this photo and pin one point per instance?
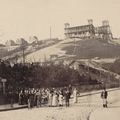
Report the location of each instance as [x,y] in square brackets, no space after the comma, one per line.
[80,111]
[111,113]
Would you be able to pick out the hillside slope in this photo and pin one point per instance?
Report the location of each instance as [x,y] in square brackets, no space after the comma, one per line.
[79,49]
[93,48]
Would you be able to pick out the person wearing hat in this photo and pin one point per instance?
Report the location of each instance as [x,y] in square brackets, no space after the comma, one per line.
[67,97]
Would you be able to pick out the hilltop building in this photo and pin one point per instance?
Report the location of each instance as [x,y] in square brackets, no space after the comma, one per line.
[89,31]
[21,41]
[104,31]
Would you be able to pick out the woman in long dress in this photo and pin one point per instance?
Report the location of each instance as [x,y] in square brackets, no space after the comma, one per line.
[55,99]
[50,99]
[75,95]
[38,98]
[60,99]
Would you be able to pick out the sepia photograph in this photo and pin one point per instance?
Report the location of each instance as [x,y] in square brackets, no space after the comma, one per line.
[59,60]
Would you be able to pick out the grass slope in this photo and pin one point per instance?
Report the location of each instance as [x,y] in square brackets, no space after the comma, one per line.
[92,48]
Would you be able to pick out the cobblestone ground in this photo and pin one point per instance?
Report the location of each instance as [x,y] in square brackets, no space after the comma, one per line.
[78,111]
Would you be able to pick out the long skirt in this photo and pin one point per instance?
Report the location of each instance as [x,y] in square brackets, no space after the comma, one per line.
[60,100]
[75,99]
[54,100]
[50,100]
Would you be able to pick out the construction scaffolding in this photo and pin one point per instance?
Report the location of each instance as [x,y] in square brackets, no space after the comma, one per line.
[89,31]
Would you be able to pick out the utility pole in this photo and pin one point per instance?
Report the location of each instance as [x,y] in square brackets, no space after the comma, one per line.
[88,70]
[23,50]
[100,75]
[4,86]
[50,32]
[74,47]
[23,55]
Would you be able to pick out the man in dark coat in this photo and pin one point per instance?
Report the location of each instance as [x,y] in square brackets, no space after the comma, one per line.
[67,97]
[104,95]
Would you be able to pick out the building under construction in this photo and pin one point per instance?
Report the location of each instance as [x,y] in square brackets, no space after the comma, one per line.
[89,31]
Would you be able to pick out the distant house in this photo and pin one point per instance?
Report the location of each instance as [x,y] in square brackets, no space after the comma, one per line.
[33,40]
[21,41]
[10,43]
[53,56]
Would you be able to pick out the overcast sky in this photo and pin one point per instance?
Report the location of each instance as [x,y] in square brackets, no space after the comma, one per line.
[24,18]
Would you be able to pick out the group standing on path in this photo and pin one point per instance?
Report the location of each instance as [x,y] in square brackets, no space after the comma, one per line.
[52,98]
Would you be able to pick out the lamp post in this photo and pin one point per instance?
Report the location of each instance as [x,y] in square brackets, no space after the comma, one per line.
[3,82]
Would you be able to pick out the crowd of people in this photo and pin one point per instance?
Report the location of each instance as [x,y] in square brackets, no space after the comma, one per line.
[53,97]
[50,97]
